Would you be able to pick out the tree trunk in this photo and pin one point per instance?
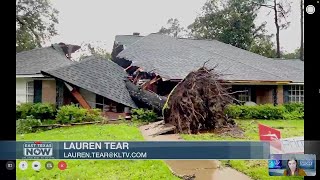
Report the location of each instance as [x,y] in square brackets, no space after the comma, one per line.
[277,27]
[301,23]
[144,98]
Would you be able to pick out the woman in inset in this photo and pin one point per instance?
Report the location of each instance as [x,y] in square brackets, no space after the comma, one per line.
[293,169]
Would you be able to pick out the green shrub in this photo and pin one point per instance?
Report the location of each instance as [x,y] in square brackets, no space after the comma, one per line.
[144,115]
[25,125]
[266,111]
[43,111]
[71,114]
[234,111]
[290,107]
[294,115]
[269,111]
[93,115]
[38,111]
[23,110]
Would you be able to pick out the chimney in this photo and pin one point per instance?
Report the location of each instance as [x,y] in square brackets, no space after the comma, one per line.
[136,34]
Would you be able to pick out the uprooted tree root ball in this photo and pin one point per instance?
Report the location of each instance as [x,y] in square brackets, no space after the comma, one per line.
[198,103]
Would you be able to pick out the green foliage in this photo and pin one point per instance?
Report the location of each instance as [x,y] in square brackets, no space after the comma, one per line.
[23,110]
[35,23]
[43,111]
[264,46]
[93,115]
[71,114]
[266,111]
[143,115]
[25,125]
[38,111]
[290,107]
[293,55]
[231,22]
[74,114]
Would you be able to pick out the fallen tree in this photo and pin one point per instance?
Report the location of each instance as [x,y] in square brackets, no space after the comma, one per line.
[198,102]
[144,98]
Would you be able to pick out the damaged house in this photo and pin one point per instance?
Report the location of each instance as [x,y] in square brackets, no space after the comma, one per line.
[48,75]
[158,62]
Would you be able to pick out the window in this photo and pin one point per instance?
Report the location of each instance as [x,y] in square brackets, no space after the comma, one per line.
[296,93]
[30,91]
[245,95]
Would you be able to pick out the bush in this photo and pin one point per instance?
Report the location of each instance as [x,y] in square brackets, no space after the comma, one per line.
[93,115]
[291,107]
[71,114]
[266,111]
[23,110]
[269,111]
[38,111]
[294,115]
[25,125]
[144,115]
[43,111]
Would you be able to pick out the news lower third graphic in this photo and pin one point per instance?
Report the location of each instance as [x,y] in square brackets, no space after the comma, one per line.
[134,150]
[292,165]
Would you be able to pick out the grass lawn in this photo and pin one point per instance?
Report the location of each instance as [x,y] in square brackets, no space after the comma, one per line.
[95,169]
[256,169]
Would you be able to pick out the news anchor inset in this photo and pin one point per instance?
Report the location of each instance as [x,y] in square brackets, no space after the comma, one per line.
[293,168]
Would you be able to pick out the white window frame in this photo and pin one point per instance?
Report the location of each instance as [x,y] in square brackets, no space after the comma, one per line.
[296,93]
[30,92]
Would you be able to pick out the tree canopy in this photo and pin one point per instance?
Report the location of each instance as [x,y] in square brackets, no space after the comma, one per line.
[35,23]
[230,21]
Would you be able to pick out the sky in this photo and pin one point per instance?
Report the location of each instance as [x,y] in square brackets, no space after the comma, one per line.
[99,21]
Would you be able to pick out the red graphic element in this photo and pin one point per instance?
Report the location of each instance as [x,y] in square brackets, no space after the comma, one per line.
[267,133]
[62,165]
[38,142]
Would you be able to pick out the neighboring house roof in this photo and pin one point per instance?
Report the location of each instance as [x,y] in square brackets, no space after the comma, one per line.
[34,61]
[174,58]
[100,76]
[127,40]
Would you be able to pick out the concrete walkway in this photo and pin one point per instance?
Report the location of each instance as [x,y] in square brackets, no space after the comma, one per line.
[202,169]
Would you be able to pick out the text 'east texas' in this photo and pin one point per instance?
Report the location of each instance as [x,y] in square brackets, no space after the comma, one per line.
[95,145]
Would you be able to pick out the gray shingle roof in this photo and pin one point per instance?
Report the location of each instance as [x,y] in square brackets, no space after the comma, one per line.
[100,76]
[175,58]
[127,39]
[292,71]
[36,60]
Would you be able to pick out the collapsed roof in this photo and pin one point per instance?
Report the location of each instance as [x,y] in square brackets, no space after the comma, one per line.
[100,76]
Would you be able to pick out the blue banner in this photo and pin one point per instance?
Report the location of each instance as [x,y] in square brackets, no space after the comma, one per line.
[135,150]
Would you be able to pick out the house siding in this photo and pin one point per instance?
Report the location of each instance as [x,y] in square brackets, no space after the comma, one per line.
[21,90]
[90,97]
[49,91]
[264,95]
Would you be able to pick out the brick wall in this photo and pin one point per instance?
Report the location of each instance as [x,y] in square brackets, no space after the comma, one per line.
[280,98]
[49,91]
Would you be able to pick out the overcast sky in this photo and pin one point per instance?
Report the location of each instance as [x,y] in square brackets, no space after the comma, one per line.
[101,20]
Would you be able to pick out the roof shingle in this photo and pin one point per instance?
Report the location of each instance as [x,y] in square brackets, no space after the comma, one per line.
[100,76]
[36,60]
[175,58]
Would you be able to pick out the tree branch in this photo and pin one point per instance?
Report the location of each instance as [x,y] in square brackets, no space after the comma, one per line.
[20,20]
[264,5]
